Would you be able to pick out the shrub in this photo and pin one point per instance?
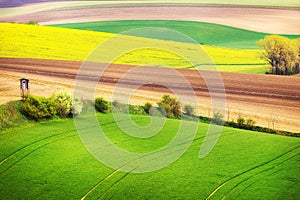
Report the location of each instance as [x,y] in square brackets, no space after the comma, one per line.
[101,105]
[188,110]
[136,109]
[63,103]
[76,106]
[11,115]
[118,107]
[32,22]
[39,107]
[170,106]
[88,105]
[66,104]
[250,123]
[240,122]
[147,107]
[218,118]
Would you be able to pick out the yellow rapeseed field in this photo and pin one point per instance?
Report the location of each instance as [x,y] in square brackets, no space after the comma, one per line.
[31,41]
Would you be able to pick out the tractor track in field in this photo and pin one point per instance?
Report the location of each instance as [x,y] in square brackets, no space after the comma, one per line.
[124,176]
[32,151]
[99,183]
[250,170]
[256,174]
[28,145]
[113,185]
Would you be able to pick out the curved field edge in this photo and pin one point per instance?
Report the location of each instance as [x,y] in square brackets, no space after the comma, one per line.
[50,4]
[48,160]
[201,32]
[28,41]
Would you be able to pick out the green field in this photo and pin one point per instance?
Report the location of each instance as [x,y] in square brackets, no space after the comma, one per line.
[47,160]
[201,32]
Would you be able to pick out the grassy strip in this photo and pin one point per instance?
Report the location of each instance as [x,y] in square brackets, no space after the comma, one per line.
[12,115]
[201,32]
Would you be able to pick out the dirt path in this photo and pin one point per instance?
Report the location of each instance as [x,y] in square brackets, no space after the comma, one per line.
[279,21]
[272,101]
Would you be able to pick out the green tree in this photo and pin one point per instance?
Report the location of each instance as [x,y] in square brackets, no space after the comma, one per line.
[170,106]
[218,118]
[188,110]
[147,107]
[67,104]
[281,53]
[32,22]
[101,105]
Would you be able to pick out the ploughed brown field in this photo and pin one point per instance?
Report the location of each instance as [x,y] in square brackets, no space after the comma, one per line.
[279,21]
[272,101]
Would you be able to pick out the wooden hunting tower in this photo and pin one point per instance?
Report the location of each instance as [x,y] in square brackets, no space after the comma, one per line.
[24,87]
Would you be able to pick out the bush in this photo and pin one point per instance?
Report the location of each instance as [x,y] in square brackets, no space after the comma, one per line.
[32,22]
[136,110]
[188,110]
[101,105]
[76,106]
[218,118]
[63,103]
[11,115]
[66,104]
[118,107]
[170,106]
[240,122]
[147,107]
[39,107]
[250,123]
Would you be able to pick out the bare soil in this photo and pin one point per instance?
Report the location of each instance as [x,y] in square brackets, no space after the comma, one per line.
[272,101]
[276,21]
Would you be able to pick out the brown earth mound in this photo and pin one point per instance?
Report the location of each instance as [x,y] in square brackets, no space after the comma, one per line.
[272,101]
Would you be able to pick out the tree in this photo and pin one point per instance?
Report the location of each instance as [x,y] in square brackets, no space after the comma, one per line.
[281,53]
[147,107]
[218,118]
[32,22]
[297,68]
[188,110]
[170,106]
[67,104]
[101,105]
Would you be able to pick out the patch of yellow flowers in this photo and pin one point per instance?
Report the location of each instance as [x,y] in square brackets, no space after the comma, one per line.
[31,41]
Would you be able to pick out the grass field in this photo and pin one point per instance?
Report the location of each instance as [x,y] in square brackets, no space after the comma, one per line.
[201,32]
[28,41]
[46,160]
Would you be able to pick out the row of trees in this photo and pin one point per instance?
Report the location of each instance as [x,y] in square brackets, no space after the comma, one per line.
[282,54]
